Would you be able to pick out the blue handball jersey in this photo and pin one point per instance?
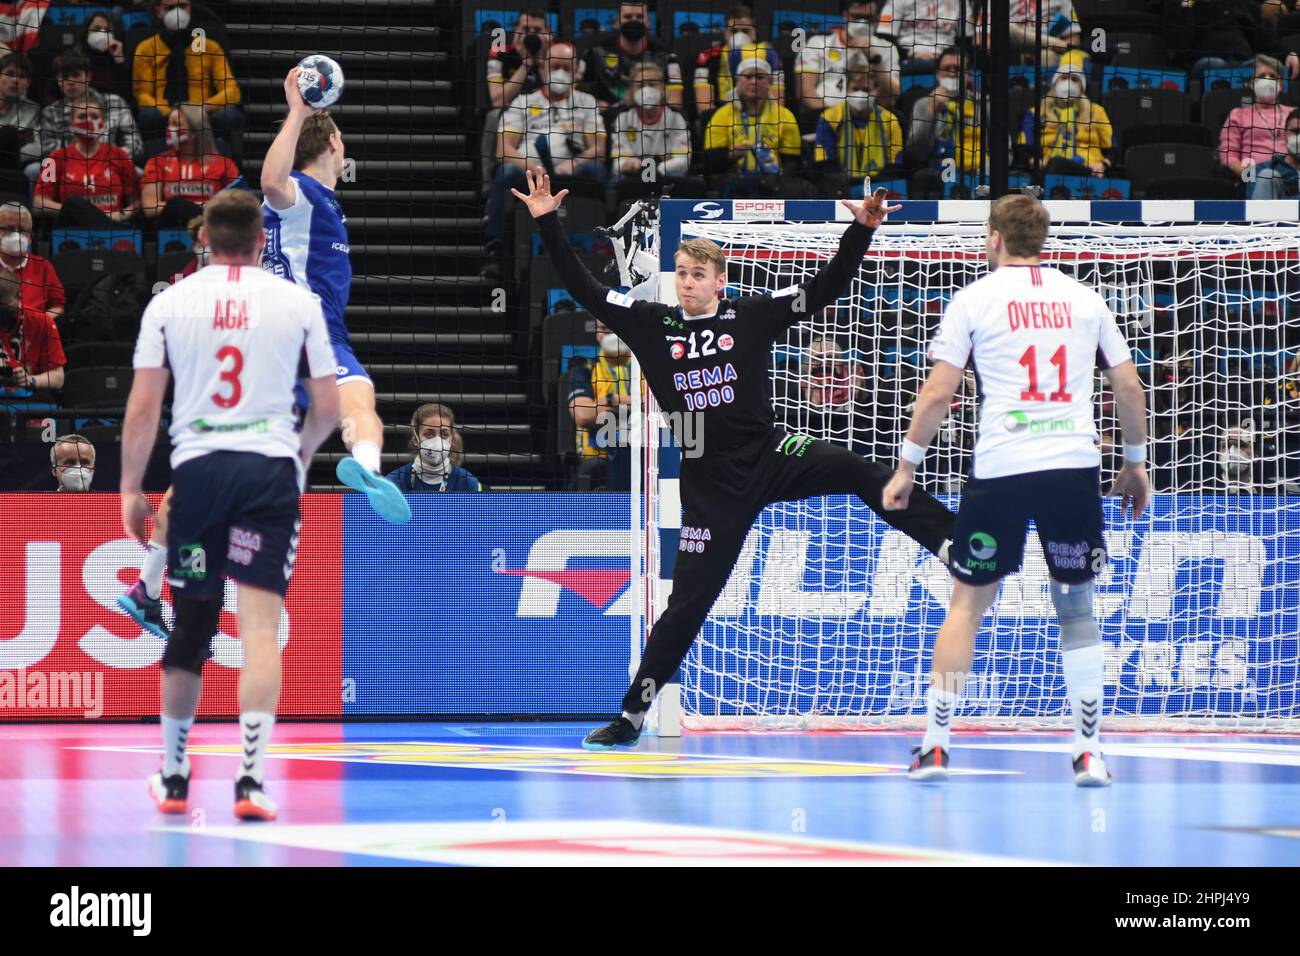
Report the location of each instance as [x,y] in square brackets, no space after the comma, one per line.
[308,245]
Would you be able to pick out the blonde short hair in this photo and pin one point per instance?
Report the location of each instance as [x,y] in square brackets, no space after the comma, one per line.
[703,250]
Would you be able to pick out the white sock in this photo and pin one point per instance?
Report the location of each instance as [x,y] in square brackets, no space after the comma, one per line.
[1085,669]
[367,452]
[939,708]
[151,571]
[255,734]
[636,719]
[176,733]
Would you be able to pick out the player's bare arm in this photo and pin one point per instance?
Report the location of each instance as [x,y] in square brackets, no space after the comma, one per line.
[277,166]
[139,431]
[1131,484]
[932,406]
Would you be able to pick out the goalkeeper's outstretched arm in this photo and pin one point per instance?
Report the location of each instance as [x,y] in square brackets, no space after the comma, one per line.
[793,305]
[612,307]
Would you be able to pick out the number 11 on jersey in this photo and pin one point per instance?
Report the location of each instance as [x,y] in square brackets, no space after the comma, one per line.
[1030,361]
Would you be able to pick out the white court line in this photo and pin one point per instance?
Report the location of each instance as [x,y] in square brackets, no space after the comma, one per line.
[1272,755]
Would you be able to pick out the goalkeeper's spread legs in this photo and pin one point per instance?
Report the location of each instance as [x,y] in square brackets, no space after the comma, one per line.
[715,524]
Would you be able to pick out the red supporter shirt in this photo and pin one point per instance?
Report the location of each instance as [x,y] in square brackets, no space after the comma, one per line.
[107,177]
[179,178]
[34,343]
[41,289]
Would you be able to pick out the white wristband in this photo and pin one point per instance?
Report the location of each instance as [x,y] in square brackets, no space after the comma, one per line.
[911,452]
[1135,454]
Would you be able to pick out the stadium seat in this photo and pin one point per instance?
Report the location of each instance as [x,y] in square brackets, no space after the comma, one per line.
[1162,160]
[1217,104]
[1191,187]
[171,263]
[88,354]
[706,17]
[1193,133]
[1137,49]
[1130,108]
[77,270]
[102,386]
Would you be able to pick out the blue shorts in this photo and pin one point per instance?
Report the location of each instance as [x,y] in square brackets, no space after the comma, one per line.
[1065,504]
[349,370]
[233,515]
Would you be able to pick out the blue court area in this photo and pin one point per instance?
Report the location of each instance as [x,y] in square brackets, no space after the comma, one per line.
[403,794]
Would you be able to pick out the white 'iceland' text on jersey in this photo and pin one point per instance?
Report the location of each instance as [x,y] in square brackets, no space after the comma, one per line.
[1034,337]
[234,338]
[308,245]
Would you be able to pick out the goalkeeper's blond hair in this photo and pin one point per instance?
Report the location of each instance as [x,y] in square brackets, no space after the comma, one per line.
[703,250]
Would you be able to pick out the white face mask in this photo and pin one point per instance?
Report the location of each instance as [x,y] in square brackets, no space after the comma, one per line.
[1293,143]
[14,244]
[77,479]
[648,96]
[560,81]
[177,137]
[97,40]
[1066,89]
[435,456]
[614,347]
[741,40]
[859,28]
[1266,89]
[860,101]
[949,84]
[177,18]
[1235,461]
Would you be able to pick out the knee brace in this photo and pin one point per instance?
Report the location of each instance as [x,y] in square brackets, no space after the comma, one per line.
[191,642]
[1073,604]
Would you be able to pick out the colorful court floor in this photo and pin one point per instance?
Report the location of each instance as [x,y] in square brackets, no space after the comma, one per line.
[427,794]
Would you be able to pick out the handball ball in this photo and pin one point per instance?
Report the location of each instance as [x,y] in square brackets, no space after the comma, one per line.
[320,80]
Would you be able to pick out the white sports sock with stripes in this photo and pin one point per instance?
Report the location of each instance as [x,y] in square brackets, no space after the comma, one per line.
[1085,669]
[939,708]
[176,734]
[255,735]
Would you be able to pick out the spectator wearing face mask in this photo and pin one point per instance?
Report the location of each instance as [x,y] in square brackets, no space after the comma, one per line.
[856,138]
[513,70]
[607,68]
[109,72]
[1279,178]
[821,67]
[715,68]
[945,126]
[600,398]
[73,73]
[39,287]
[162,79]
[651,143]
[818,396]
[72,463]
[433,468]
[89,184]
[179,182]
[754,142]
[1076,131]
[1237,458]
[556,126]
[31,350]
[1256,133]
[20,118]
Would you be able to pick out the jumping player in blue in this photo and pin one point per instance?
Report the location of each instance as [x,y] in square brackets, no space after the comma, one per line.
[307,243]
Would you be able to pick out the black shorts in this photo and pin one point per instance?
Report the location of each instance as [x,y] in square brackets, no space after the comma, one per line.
[1065,504]
[235,515]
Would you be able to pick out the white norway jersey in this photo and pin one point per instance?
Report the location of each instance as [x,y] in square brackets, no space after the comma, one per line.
[233,337]
[1034,337]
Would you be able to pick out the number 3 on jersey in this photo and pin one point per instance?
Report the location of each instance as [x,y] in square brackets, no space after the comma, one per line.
[1030,361]
[230,376]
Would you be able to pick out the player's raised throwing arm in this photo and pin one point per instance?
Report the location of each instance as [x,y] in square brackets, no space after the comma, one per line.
[277,166]
[609,305]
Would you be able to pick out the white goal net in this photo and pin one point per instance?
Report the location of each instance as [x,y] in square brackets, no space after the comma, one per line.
[830,616]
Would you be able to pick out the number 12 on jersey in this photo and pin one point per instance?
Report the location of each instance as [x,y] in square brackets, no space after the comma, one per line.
[1030,361]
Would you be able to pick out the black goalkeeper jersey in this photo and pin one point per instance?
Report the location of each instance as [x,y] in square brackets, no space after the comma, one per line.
[718,366]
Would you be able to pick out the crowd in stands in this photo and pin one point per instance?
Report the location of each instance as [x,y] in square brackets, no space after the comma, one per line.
[893,90]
